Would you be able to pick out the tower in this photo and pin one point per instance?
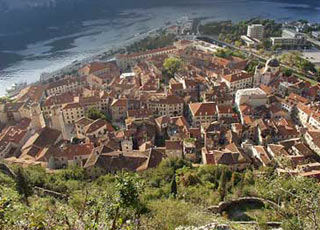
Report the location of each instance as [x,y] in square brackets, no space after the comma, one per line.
[267,74]
[37,120]
[3,113]
[57,121]
[273,66]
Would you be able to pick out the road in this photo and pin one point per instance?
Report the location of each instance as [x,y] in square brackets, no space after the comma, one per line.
[214,40]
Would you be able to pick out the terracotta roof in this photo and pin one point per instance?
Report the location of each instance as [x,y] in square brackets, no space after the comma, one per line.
[89,100]
[96,66]
[202,109]
[176,86]
[179,121]
[315,135]
[84,121]
[172,99]
[264,157]
[298,98]
[303,149]
[133,55]
[97,124]
[59,99]
[47,136]
[266,89]
[34,93]
[140,113]
[154,159]
[122,102]
[173,145]
[237,76]
[247,120]
[305,108]
[11,135]
[72,151]
[161,120]
[72,106]
[65,81]
[115,161]
[225,109]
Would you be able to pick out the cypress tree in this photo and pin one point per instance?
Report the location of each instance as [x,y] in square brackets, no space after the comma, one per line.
[174,189]
[223,185]
[23,185]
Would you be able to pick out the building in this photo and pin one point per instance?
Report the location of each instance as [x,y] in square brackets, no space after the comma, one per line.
[231,156]
[316,34]
[13,138]
[125,61]
[261,155]
[170,106]
[267,74]
[239,80]
[315,120]
[255,31]
[103,161]
[37,119]
[174,149]
[57,121]
[202,113]
[72,112]
[312,138]
[303,113]
[254,97]
[290,39]
[70,155]
[67,84]
[86,127]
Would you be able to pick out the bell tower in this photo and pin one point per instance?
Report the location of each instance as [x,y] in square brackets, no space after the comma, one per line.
[37,120]
[57,121]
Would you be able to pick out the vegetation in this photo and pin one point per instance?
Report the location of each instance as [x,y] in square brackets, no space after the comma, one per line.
[251,66]
[172,65]
[231,32]
[162,198]
[5,99]
[152,42]
[94,114]
[227,52]
[294,59]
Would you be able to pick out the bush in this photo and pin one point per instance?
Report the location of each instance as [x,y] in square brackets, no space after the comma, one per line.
[171,213]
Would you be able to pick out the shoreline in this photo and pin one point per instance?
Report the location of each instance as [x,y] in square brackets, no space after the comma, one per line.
[106,55]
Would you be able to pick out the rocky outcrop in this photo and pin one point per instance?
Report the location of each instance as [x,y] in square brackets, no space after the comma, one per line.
[223,206]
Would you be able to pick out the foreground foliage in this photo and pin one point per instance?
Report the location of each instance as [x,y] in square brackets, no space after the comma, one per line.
[174,194]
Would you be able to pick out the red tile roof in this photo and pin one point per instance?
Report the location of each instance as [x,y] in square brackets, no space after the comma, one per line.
[202,109]
[237,76]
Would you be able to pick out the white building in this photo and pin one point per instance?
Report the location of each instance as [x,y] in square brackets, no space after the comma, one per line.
[290,38]
[256,31]
[254,97]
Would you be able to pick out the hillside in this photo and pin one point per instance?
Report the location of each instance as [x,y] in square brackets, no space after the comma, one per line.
[155,199]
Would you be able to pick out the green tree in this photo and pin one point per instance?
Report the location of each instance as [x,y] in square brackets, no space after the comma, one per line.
[174,189]
[288,72]
[94,114]
[128,189]
[238,43]
[172,65]
[299,198]
[23,185]
[222,189]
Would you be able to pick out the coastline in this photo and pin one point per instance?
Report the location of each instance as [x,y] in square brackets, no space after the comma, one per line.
[106,55]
